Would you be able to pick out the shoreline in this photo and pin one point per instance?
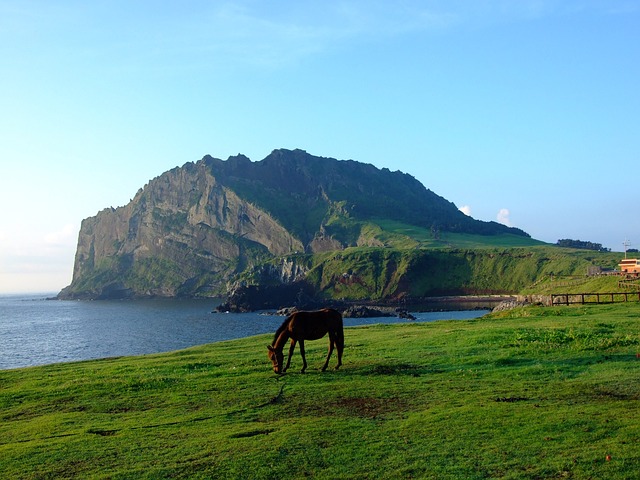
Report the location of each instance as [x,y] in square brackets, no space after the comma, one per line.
[438,304]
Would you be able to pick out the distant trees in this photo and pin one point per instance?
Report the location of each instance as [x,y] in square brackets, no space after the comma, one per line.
[569,243]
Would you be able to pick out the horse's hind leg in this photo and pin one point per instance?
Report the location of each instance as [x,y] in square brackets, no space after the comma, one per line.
[291,349]
[339,347]
[332,341]
[304,358]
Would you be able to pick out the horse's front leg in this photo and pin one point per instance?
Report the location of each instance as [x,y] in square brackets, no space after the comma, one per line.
[291,349]
[304,358]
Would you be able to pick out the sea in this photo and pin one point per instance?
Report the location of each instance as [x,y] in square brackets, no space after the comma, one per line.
[35,330]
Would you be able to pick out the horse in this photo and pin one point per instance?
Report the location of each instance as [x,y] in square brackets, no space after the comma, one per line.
[301,326]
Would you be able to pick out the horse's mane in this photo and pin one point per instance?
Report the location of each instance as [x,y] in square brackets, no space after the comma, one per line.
[281,328]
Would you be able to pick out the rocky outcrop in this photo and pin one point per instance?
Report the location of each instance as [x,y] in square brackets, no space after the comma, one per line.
[361,311]
[510,305]
[179,231]
[249,298]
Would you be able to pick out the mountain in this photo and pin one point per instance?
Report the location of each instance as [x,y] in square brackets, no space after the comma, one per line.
[196,227]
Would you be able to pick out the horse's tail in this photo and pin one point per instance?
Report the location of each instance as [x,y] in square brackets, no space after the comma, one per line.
[339,328]
[340,339]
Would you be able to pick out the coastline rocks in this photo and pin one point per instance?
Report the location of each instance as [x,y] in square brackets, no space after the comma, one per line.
[402,313]
[297,296]
[111,291]
[509,305]
[354,311]
[360,311]
[249,298]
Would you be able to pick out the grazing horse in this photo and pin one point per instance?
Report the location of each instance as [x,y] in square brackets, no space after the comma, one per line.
[301,326]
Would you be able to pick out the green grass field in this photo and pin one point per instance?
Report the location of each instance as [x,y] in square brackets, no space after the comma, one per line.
[583,284]
[419,236]
[530,393]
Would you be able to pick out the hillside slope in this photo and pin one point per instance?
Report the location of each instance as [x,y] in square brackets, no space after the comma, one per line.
[192,229]
[407,275]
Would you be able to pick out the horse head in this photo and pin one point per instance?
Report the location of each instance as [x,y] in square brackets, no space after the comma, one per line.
[276,357]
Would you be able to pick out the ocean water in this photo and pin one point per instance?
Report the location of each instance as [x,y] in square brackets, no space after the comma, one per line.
[37,331]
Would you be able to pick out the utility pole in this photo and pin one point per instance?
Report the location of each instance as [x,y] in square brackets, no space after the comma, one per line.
[625,244]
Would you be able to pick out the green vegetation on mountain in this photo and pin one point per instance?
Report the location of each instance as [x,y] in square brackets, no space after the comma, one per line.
[582,284]
[536,392]
[351,231]
[303,192]
[586,245]
[378,273]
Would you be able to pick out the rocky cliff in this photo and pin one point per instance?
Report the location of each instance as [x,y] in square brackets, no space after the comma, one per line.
[190,230]
[183,233]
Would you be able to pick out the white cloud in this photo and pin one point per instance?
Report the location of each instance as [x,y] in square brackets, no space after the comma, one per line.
[265,34]
[503,217]
[466,209]
[253,33]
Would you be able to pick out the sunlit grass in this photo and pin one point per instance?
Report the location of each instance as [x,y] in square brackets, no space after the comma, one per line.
[426,238]
[530,393]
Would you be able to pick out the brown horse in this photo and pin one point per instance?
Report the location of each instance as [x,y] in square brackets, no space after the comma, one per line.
[301,326]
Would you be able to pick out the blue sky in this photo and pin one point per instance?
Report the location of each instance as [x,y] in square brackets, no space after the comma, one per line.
[526,112]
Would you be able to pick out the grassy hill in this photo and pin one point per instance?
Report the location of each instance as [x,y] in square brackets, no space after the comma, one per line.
[530,393]
[427,263]
[404,235]
[412,266]
[582,284]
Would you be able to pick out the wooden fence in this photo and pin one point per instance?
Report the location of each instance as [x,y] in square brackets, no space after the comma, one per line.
[597,298]
[630,283]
